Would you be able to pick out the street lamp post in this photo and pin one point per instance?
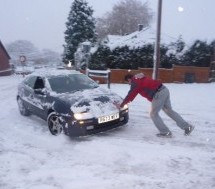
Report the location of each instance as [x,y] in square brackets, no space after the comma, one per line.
[157,44]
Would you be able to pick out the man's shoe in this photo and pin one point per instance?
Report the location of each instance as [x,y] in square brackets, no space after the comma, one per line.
[165,135]
[188,130]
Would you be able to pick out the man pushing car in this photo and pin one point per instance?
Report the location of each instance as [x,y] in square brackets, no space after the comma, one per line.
[159,96]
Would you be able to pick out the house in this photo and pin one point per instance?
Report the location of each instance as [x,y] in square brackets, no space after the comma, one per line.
[5,68]
[136,39]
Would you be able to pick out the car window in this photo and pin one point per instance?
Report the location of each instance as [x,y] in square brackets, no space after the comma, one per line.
[60,84]
[39,83]
[30,81]
[72,82]
[83,81]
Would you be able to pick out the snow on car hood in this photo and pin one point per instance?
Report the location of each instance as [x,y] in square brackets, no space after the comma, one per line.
[93,102]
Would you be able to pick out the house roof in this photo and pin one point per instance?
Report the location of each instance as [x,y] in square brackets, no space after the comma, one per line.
[136,39]
[2,47]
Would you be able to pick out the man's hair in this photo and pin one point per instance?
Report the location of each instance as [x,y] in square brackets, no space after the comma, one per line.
[128,76]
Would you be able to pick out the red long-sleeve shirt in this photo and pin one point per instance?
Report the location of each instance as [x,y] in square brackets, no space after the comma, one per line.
[144,86]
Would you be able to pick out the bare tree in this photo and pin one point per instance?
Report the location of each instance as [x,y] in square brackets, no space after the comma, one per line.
[33,54]
[22,48]
[124,18]
[50,57]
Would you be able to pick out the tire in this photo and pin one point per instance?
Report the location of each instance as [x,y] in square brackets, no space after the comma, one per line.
[22,109]
[54,124]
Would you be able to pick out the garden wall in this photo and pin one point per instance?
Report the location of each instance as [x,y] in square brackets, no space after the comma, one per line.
[178,74]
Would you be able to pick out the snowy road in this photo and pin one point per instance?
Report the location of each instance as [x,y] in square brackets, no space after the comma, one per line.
[131,157]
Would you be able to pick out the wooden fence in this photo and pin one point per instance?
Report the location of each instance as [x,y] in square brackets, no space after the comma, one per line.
[178,74]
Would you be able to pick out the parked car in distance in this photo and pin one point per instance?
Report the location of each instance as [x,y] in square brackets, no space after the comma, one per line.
[70,102]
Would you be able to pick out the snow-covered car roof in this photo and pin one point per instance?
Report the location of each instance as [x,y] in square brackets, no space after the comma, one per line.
[54,72]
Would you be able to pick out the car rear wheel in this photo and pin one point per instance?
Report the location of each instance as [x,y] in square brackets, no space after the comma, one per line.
[54,124]
[22,109]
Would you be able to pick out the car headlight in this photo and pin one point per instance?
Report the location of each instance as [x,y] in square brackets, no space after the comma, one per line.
[125,107]
[82,116]
[78,116]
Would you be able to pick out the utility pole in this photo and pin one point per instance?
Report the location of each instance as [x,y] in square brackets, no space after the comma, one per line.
[157,44]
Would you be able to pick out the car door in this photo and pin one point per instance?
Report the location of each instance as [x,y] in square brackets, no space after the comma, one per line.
[39,98]
[27,92]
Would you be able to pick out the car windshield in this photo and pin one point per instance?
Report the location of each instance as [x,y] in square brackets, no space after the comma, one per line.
[70,83]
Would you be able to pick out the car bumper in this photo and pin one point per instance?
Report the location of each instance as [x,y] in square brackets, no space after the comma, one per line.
[91,126]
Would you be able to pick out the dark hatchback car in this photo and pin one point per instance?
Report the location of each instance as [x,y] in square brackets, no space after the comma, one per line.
[70,102]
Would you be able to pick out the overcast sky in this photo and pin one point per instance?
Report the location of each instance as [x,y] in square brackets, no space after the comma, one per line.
[43,21]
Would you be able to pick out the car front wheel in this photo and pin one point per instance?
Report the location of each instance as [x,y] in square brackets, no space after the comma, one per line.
[54,124]
[22,109]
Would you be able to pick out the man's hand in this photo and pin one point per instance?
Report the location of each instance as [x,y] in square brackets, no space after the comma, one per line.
[117,105]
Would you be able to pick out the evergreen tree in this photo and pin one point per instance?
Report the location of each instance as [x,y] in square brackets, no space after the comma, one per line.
[164,58]
[80,28]
[100,60]
[121,55]
[176,51]
[145,54]
[199,54]
[212,50]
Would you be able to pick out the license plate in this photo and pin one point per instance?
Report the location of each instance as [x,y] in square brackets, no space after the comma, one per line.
[108,118]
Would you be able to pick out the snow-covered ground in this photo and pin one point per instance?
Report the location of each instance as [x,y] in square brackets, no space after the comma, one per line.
[131,157]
